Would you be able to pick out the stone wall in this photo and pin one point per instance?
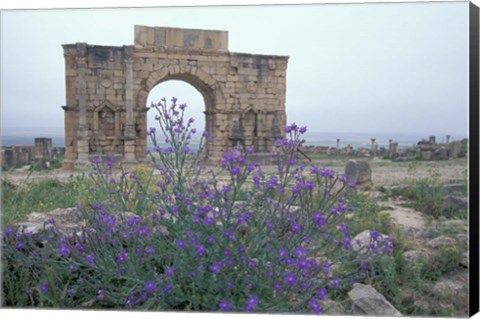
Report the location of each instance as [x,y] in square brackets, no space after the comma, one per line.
[107,89]
[43,148]
[17,155]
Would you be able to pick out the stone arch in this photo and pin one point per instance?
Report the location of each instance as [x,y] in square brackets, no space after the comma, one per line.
[237,88]
[200,80]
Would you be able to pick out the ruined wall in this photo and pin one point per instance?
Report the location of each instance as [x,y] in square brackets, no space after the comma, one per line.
[108,87]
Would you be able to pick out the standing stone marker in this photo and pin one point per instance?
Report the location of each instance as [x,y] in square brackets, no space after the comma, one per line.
[107,89]
[360,173]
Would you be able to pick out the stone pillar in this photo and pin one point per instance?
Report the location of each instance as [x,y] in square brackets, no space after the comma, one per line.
[43,148]
[392,149]
[82,133]
[455,149]
[129,130]
[373,147]
[448,139]
[432,139]
[338,144]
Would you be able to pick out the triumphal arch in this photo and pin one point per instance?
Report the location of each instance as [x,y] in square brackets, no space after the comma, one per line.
[107,89]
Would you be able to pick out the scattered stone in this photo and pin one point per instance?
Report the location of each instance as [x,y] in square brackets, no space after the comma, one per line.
[371,301]
[333,308]
[375,195]
[463,238]
[360,173]
[361,242]
[456,201]
[465,262]
[66,221]
[440,154]
[423,305]
[441,241]
[409,220]
[412,257]
[452,285]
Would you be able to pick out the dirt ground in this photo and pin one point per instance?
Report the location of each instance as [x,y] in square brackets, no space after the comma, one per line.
[384,172]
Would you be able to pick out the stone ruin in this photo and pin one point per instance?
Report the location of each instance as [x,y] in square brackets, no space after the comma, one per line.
[426,150]
[16,156]
[107,89]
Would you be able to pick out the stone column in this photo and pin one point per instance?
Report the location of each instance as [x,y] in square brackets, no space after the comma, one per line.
[455,149]
[129,130]
[432,139]
[392,150]
[82,134]
[448,139]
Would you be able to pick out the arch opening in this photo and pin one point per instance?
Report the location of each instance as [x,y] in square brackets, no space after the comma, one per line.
[185,93]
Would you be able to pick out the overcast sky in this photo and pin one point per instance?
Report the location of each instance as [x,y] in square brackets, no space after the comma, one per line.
[379,67]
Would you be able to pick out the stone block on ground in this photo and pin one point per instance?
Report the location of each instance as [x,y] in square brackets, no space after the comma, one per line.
[66,221]
[360,173]
[455,201]
[361,242]
[371,301]
[441,241]
[412,257]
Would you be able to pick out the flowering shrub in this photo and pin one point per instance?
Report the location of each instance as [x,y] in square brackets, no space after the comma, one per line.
[190,243]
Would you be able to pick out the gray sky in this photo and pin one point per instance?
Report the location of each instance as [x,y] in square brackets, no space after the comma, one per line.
[379,67]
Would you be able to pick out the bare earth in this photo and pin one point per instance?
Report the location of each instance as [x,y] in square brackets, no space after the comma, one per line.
[384,172]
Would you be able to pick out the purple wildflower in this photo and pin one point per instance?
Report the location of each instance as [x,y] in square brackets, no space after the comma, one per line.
[229,235]
[20,245]
[374,234]
[251,303]
[290,279]
[335,282]
[296,228]
[300,252]
[169,272]
[90,259]
[149,286]
[145,231]
[122,258]
[63,250]
[253,262]
[282,253]
[225,305]
[149,250]
[211,240]
[44,288]
[181,244]
[326,266]
[315,306]
[322,293]
[200,251]
[168,288]
[216,266]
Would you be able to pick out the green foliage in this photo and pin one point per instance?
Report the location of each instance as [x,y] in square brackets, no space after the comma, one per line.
[368,215]
[36,196]
[189,242]
[428,196]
